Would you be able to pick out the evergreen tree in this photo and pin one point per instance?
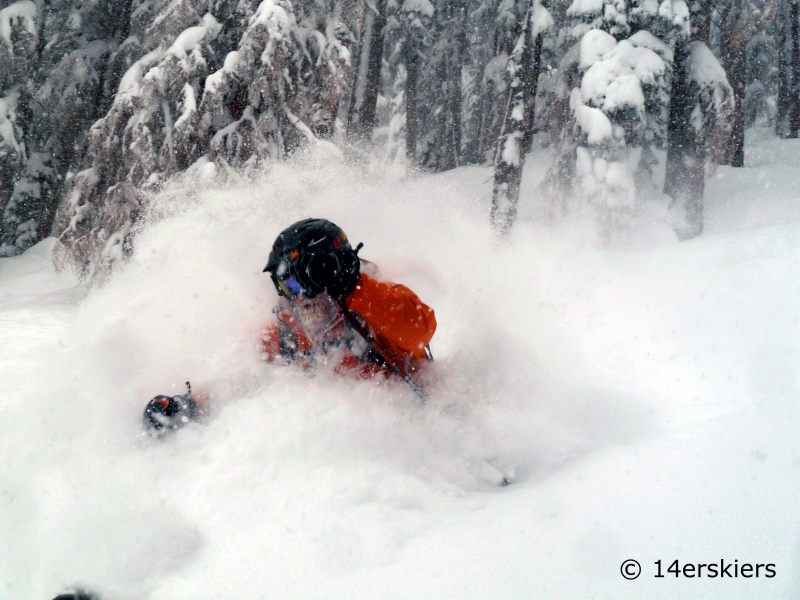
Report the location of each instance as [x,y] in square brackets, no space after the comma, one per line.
[619,73]
[738,21]
[784,100]
[493,31]
[441,113]
[701,107]
[57,84]
[367,73]
[408,35]
[177,106]
[18,49]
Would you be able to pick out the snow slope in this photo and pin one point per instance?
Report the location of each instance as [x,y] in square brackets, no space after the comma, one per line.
[644,394]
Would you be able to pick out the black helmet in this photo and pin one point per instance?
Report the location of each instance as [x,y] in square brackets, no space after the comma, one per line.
[313,256]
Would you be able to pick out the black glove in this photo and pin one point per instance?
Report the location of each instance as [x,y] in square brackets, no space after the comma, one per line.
[164,414]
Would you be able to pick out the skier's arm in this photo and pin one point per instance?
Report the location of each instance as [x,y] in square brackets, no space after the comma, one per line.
[395,313]
[271,342]
[282,338]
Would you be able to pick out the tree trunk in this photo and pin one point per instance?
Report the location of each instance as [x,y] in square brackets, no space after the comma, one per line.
[533,89]
[784,97]
[701,20]
[794,115]
[685,174]
[736,69]
[457,93]
[362,114]
[357,89]
[472,149]
[450,73]
[488,119]
[516,136]
[412,70]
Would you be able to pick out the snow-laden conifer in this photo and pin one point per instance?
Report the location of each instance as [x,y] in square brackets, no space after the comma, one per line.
[701,113]
[279,90]
[618,103]
[135,146]
[181,103]
[409,36]
[18,37]
[58,85]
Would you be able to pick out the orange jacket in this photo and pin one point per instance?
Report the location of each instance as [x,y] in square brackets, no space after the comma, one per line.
[396,316]
[400,322]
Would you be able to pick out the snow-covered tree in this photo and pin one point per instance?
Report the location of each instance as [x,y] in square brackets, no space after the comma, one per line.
[618,73]
[408,35]
[514,141]
[761,92]
[785,97]
[101,102]
[177,105]
[280,89]
[17,67]
[441,88]
[701,110]
[494,28]
[136,145]
[367,70]
[739,21]
[57,88]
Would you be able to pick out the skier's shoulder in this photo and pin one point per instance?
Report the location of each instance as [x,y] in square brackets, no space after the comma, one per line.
[370,289]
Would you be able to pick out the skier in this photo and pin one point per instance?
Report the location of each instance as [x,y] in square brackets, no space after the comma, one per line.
[329,312]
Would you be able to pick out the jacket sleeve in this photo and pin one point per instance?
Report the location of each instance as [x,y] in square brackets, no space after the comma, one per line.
[395,313]
[270,342]
[283,338]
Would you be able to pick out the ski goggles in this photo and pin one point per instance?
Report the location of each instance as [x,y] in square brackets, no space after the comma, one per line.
[288,286]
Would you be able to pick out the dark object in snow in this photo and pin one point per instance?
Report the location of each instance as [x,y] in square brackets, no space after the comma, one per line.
[313,256]
[165,414]
[77,594]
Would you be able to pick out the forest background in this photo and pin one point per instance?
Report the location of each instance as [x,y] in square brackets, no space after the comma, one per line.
[104,102]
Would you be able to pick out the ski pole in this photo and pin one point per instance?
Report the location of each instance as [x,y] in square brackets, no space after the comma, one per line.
[380,357]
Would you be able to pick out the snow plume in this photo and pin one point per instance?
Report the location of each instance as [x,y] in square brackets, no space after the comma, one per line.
[298,484]
[275,93]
